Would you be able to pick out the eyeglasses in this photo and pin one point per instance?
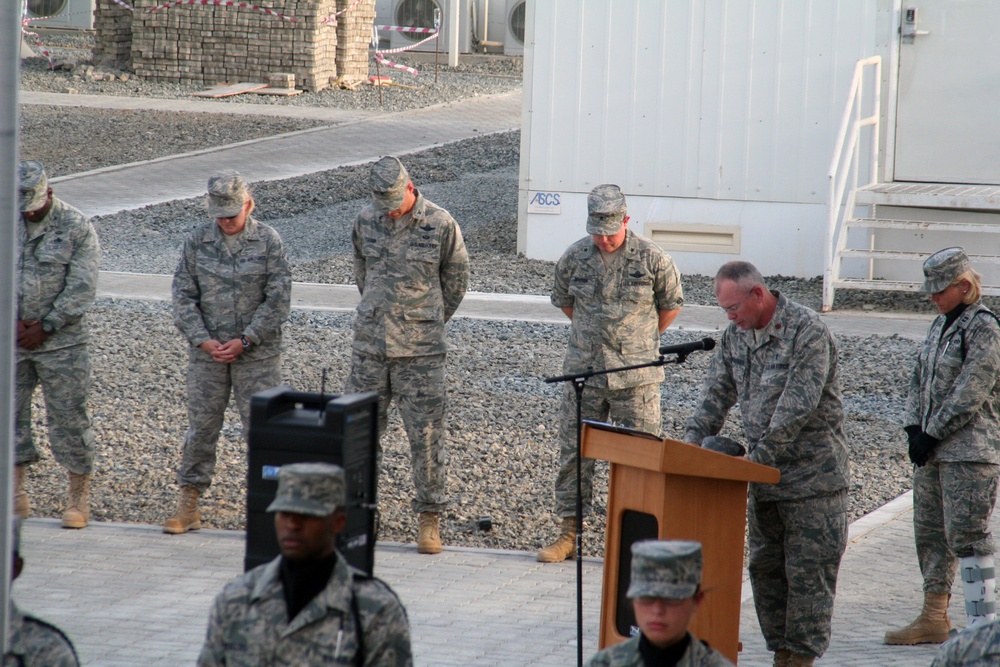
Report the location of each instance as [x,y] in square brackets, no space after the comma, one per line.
[730,310]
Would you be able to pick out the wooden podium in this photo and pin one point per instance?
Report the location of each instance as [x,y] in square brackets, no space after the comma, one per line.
[669,490]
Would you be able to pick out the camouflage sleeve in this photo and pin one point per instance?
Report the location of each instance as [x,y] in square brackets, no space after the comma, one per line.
[273,311]
[808,368]
[33,641]
[978,645]
[360,266]
[386,627]
[186,294]
[454,270]
[561,298]
[598,660]
[718,395]
[212,651]
[80,291]
[667,286]
[911,412]
[975,383]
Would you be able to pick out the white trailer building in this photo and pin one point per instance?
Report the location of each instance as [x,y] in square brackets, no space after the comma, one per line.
[720,119]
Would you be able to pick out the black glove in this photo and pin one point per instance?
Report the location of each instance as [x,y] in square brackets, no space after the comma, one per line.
[921,448]
[912,432]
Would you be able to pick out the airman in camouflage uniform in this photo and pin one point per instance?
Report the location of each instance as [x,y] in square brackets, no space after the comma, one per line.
[779,361]
[978,646]
[952,421]
[232,292]
[665,592]
[308,606]
[57,267]
[31,641]
[412,269]
[621,291]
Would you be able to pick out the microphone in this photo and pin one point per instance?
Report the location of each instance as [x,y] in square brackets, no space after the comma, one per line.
[684,349]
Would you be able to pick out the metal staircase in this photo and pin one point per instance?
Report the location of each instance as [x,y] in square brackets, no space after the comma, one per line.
[871,220]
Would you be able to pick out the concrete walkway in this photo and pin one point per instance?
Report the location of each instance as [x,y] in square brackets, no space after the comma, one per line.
[354,140]
[530,308]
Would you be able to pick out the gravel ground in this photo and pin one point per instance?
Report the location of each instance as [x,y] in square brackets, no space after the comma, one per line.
[501,437]
[502,441]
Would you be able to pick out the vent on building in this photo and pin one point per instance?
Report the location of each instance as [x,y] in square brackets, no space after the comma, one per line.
[694,238]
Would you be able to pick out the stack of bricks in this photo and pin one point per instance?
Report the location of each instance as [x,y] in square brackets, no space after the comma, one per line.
[113,30]
[354,33]
[217,44]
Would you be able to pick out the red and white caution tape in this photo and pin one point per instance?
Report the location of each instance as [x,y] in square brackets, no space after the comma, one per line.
[38,40]
[331,20]
[223,3]
[389,63]
[406,28]
[123,4]
[380,55]
[401,49]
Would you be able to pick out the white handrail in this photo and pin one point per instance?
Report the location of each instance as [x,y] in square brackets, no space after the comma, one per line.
[849,145]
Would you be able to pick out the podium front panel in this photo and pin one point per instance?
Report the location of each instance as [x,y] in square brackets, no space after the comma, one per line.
[636,526]
[709,511]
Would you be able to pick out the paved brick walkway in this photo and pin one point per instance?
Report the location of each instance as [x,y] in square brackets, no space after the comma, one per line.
[129,595]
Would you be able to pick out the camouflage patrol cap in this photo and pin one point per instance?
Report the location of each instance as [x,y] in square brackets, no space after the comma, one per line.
[388,181]
[227,192]
[941,268]
[316,489]
[32,186]
[605,210]
[665,569]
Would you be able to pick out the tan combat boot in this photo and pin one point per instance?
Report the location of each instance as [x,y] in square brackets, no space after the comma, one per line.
[22,504]
[77,511]
[930,627]
[565,545]
[187,516]
[799,660]
[429,539]
[781,658]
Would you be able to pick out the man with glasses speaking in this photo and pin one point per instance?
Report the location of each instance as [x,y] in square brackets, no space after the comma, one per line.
[779,361]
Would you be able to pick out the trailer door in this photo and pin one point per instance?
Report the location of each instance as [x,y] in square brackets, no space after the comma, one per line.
[948,103]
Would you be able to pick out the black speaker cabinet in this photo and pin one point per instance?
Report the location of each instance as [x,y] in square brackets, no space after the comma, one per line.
[287,426]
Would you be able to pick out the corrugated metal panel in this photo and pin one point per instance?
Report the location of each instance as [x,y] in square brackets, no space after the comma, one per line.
[718,99]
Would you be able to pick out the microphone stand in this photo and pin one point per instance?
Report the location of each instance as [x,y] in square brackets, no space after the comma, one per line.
[579,380]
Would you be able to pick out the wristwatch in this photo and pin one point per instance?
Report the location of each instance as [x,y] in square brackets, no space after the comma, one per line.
[246,343]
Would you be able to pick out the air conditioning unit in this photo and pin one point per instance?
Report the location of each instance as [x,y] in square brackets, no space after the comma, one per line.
[513,41]
[75,14]
[420,14]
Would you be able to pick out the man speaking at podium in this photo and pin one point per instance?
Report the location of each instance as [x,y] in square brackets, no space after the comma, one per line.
[779,361]
[621,291]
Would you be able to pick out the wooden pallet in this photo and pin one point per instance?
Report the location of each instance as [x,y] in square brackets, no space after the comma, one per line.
[229,90]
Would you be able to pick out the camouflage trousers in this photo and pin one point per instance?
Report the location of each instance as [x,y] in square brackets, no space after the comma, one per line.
[952,503]
[417,384]
[209,384]
[65,378]
[795,551]
[636,408]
